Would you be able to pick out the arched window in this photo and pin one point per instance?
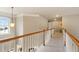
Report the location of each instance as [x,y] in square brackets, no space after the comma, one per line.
[4,25]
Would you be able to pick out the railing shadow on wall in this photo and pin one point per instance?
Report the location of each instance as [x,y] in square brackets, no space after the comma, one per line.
[26,42]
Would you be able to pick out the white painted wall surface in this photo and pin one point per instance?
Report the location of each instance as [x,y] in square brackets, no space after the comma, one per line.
[34,23]
[71,23]
[19,25]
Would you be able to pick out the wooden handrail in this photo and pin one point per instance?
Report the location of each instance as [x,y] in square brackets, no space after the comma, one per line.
[74,39]
[20,36]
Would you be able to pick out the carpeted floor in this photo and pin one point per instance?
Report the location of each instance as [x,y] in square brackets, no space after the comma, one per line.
[56,44]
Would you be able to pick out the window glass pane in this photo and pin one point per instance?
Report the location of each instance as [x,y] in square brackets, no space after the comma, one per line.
[4,25]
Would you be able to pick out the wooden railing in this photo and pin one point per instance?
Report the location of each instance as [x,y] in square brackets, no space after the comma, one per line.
[20,36]
[6,42]
[72,41]
[76,41]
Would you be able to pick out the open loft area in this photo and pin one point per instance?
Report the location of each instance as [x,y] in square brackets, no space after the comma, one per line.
[39,29]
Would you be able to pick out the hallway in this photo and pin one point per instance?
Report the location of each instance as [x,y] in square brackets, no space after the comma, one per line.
[54,45]
[29,28]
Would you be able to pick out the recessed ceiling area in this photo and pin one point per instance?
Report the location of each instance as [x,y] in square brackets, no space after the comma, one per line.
[47,12]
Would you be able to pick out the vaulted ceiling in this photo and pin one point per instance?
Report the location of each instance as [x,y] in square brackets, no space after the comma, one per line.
[48,12]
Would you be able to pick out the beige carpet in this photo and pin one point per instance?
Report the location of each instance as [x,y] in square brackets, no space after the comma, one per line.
[56,44]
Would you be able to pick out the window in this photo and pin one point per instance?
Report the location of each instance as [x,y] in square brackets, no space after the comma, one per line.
[4,25]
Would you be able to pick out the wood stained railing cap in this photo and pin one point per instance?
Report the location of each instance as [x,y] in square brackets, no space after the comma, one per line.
[21,36]
[74,39]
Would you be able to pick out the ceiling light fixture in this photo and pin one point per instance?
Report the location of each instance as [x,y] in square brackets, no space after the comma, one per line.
[57,15]
[12,24]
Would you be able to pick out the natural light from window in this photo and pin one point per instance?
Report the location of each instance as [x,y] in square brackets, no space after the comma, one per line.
[4,25]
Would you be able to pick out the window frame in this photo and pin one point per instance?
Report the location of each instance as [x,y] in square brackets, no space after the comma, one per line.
[9,28]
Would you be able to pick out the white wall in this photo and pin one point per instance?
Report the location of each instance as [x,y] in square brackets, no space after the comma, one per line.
[71,23]
[19,25]
[27,24]
[34,23]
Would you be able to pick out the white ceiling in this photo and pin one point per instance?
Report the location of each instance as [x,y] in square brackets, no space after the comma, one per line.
[48,12]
